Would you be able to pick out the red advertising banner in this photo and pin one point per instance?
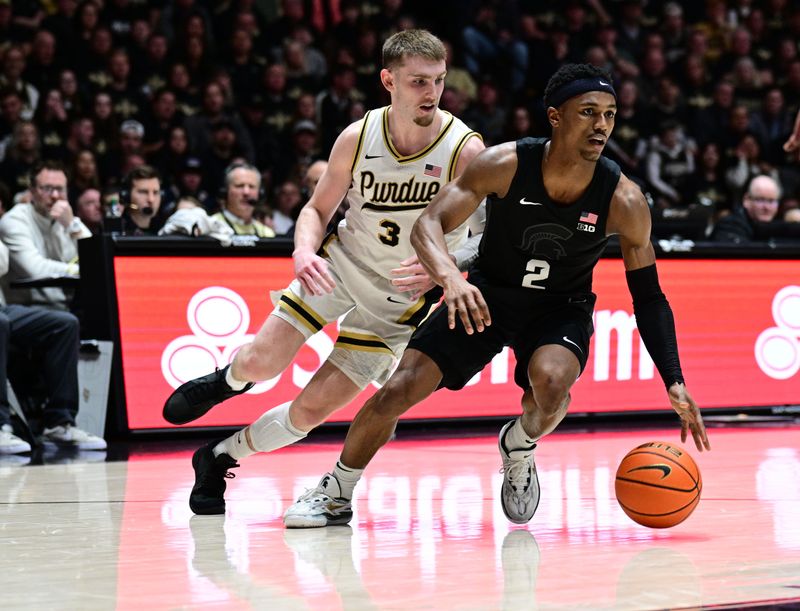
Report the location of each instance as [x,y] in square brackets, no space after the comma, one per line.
[738,325]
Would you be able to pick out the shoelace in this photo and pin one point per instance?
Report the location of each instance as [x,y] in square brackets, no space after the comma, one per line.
[518,473]
[218,472]
[199,391]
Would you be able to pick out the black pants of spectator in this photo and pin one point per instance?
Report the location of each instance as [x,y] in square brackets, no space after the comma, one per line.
[55,335]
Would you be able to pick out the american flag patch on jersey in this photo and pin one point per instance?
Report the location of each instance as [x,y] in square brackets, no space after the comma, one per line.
[588,217]
[433,170]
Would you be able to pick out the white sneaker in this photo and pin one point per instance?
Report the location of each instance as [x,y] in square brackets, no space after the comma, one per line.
[10,443]
[320,506]
[71,435]
[519,495]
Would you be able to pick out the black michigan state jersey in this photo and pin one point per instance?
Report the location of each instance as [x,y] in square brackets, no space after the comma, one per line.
[533,242]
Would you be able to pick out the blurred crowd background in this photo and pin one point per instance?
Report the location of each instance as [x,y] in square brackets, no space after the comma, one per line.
[707,90]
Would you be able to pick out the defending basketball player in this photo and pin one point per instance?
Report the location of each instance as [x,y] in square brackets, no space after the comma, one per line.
[389,166]
[551,206]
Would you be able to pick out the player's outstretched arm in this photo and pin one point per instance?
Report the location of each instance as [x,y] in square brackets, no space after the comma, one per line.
[490,172]
[629,217]
[309,268]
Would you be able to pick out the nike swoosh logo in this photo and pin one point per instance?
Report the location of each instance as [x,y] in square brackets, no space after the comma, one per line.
[372,156]
[665,469]
[525,202]
[603,83]
[566,339]
[395,301]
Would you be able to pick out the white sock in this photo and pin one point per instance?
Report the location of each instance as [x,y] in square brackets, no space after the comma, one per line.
[348,478]
[516,438]
[233,382]
[271,431]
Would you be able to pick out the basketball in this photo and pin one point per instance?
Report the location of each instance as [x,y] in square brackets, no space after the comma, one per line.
[658,484]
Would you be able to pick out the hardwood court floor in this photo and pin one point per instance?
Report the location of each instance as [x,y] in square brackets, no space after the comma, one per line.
[428,532]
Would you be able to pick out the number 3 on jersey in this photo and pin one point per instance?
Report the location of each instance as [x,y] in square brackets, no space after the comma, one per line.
[392,235]
[539,271]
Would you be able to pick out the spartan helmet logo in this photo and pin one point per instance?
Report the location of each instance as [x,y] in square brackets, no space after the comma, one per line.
[546,240]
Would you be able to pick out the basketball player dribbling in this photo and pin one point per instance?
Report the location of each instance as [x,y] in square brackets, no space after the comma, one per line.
[389,165]
[551,206]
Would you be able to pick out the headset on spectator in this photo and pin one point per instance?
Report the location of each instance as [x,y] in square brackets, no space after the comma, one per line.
[143,172]
[242,165]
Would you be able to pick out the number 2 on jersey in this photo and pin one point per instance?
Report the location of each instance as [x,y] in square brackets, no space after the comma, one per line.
[539,271]
[392,235]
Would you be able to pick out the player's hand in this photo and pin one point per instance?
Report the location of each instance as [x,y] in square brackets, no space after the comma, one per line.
[62,212]
[312,272]
[792,145]
[412,278]
[691,419]
[465,301]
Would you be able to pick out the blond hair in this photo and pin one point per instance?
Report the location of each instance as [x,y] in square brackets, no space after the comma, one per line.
[412,43]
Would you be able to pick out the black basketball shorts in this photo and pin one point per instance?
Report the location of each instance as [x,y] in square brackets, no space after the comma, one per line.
[520,320]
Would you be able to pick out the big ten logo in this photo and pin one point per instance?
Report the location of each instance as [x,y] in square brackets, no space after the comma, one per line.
[619,325]
[219,319]
[777,348]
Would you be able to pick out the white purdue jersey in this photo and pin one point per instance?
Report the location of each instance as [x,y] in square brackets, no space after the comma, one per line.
[390,190]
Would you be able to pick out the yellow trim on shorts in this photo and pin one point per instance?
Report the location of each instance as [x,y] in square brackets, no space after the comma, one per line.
[361,342]
[412,310]
[323,249]
[300,305]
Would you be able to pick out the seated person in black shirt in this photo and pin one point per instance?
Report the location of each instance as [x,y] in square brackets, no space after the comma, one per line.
[141,196]
[759,206]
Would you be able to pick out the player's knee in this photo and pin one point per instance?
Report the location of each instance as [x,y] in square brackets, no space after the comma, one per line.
[551,385]
[396,396]
[253,363]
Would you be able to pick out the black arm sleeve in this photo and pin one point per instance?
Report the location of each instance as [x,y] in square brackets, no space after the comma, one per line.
[656,323]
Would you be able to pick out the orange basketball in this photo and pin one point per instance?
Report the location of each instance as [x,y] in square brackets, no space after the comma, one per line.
[658,484]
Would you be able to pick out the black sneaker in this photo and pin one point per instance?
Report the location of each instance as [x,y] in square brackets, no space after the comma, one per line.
[194,398]
[210,472]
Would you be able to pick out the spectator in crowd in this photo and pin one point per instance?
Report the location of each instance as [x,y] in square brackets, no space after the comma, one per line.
[171,157]
[140,194]
[238,199]
[189,184]
[487,116]
[294,163]
[162,116]
[670,163]
[56,336]
[199,126]
[333,105]
[759,205]
[42,237]
[772,124]
[490,46]
[11,106]
[11,77]
[22,153]
[288,202]
[43,66]
[747,164]
[117,162]
[83,174]
[52,120]
[628,142]
[89,208]
[706,186]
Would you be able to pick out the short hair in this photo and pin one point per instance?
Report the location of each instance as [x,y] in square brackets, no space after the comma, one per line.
[41,166]
[412,43]
[240,165]
[143,172]
[572,72]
